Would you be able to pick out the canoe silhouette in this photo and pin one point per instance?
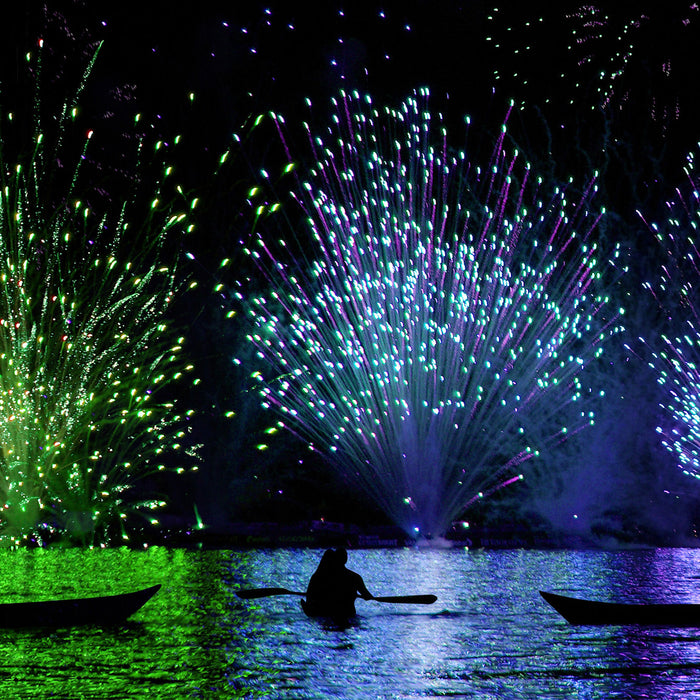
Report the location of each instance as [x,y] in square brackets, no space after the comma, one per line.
[578,611]
[72,612]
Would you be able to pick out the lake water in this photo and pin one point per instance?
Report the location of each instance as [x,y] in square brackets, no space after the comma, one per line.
[490,635]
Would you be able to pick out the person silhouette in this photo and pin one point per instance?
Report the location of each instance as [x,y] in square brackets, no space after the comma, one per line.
[333,587]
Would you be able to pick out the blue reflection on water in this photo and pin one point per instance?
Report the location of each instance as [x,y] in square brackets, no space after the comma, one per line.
[489,635]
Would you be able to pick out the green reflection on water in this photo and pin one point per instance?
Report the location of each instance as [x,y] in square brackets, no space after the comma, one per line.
[191,640]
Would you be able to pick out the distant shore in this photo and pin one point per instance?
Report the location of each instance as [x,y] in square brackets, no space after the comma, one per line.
[321,534]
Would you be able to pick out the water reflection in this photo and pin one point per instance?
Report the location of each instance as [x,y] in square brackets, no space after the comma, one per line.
[490,635]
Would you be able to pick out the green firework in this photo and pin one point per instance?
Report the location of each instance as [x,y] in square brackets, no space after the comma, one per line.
[86,352]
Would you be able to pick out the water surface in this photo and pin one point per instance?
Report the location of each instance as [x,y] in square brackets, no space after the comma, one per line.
[490,635]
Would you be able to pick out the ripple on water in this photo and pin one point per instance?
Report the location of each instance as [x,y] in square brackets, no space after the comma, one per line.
[490,635]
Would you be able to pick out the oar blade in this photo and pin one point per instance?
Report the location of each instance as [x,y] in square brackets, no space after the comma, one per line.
[249,593]
[413,599]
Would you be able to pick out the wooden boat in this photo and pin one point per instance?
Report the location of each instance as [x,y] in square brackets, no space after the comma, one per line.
[578,611]
[101,610]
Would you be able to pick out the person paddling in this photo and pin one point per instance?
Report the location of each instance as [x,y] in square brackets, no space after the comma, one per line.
[333,588]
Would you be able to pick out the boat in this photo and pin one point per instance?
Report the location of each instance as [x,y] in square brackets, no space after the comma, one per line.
[578,611]
[337,621]
[73,612]
[311,611]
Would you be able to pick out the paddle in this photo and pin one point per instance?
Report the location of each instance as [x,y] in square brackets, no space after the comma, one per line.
[418,599]
[249,593]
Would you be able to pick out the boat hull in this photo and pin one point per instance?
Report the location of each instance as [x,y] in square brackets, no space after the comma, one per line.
[578,611]
[339,618]
[101,610]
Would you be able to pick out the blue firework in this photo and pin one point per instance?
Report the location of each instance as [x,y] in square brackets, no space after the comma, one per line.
[434,336]
[676,352]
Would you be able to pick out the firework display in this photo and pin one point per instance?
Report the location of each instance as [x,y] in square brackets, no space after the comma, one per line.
[433,316]
[436,339]
[86,352]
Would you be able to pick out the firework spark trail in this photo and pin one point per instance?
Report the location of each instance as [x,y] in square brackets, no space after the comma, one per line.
[435,340]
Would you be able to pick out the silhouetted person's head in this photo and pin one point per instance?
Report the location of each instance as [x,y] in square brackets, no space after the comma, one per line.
[342,555]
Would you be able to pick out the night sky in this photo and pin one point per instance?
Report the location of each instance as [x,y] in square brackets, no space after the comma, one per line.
[612,91]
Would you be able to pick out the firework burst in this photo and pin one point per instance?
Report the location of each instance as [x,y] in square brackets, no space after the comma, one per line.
[676,358]
[435,340]
[85,348]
